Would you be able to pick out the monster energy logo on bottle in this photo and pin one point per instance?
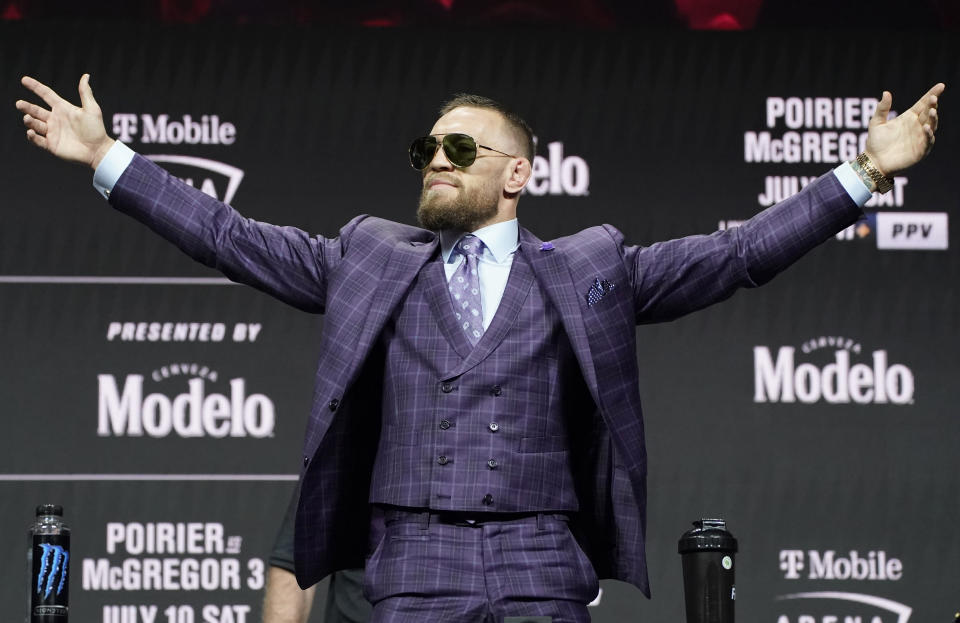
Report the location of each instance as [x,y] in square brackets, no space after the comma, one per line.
[53,562]
[51,555]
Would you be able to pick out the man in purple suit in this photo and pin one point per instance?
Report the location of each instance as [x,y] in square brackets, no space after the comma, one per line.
[509,472]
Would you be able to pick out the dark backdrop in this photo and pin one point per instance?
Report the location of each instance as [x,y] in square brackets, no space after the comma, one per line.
[661,134]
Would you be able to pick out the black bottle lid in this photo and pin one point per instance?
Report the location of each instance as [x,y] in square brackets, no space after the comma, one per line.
[49,509]
[707,535]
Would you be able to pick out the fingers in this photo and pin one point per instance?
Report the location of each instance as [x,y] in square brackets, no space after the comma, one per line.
[36,139]
[883,109]
[931,97]
[86,93]
[928,114]
[42,91]
[33,110]
[937,89]
[39,127]
[927,103]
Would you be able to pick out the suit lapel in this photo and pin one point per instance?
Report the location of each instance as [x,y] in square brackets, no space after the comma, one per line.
[400,268]
[379,296]
[553,274]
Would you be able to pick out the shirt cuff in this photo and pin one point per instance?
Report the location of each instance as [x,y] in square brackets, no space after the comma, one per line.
[111,168]
[852,183]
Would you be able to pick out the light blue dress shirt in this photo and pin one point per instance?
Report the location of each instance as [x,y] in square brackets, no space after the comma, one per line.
[501,241]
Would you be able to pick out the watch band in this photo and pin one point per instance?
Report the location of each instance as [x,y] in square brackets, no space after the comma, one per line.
[882,182]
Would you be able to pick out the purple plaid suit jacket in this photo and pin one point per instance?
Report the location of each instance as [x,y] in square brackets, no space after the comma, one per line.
[358,278]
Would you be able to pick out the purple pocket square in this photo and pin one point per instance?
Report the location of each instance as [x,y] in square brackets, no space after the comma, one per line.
[547,246]
[598,290]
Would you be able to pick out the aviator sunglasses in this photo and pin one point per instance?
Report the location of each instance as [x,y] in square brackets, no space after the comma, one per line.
[460,149]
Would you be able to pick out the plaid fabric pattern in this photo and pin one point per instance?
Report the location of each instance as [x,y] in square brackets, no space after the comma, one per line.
[478,428]
[333,275]
[426,570]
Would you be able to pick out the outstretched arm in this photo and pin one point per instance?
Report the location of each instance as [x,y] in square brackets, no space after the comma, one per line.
[282,261]
[676,277]
[69,132]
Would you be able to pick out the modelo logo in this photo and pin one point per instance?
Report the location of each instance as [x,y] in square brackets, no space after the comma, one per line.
[780,379]
[876,565]
[195,413]
[558,174]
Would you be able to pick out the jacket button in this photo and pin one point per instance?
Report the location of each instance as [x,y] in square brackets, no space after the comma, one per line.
[306,460]
[444,424]
[488,499]
[495,390]
[492,464]
[442,460]
[494,427]
[333,404]
[446,388]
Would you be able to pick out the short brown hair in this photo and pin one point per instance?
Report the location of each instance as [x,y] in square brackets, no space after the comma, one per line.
[517,126]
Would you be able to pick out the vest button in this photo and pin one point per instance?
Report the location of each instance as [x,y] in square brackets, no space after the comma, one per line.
[333,404]
[442,460]
[446,388]
[488,499]
[492,464]
[444,424]
[306,460]
[495,390]
[494,427]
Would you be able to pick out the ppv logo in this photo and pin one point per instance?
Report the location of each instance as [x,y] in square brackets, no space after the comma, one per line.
[912,230]
[836,382]
[881,610]
[902,231]
[53,565]
[192,414]
[232,174]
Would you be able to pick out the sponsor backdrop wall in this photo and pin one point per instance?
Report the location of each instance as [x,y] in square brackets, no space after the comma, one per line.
[164,407]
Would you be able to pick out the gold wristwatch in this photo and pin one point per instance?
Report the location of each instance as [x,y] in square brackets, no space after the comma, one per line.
[882,182]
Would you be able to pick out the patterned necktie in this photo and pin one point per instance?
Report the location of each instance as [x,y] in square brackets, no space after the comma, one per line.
[464,287]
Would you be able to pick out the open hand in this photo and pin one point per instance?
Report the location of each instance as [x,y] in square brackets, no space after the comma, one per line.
[901,142]
[66,131]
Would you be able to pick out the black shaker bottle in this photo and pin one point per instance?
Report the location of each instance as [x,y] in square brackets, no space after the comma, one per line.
[707,552]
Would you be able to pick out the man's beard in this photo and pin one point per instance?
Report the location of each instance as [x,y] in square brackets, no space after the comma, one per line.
[464,212]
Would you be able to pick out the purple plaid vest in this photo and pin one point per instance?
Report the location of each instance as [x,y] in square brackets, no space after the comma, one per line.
[477,428]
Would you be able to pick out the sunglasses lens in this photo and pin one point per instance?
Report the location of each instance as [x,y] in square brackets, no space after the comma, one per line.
[422,151]
[460,149]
